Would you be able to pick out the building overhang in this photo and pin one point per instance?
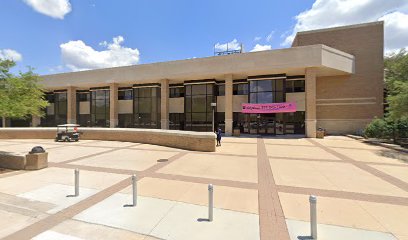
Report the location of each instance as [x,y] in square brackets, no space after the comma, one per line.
[293,61]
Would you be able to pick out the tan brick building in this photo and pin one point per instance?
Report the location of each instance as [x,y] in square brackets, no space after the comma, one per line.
[334,76]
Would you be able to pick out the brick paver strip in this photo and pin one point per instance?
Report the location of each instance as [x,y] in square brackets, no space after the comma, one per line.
[403,201]
[271,218]
[248,185]
[219,182]
[336,161]
[386,177]
[53,220]
[98,153]
[93,168]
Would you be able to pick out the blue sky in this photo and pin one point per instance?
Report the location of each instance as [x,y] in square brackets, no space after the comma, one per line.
[56,38]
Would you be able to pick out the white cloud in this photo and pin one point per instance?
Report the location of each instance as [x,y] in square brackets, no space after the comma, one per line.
[233,45]
[77,56]
[10,54]
[332,13]
[52,8]
[396,31]
[256,39]
[270,36]
[259,47]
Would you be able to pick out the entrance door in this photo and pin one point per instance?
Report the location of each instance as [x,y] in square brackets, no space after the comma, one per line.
[268,124]
[262,124]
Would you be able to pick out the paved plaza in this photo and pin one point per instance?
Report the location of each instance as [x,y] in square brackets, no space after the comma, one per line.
[261,191]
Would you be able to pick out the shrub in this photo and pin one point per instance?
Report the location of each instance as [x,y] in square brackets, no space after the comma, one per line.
[378,128]
[387,129]
[401,127]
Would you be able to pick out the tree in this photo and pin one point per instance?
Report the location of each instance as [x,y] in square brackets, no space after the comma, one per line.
[396,79]
[21,95]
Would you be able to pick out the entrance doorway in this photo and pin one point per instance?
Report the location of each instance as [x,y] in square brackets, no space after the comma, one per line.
[270,124]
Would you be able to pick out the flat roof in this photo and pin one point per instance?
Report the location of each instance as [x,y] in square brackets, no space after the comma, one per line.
[341,27]
[292,61]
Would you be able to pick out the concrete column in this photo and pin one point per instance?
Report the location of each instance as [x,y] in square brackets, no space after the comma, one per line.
[113,105]
[35,121]
[310,121]
[71,105]
[164,103]
[228,105]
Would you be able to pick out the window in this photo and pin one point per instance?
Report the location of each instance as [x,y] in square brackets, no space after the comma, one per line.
[295,86]
[240,89]
[49,112]
[60,107]
[176,121]
[49,97]
[146,107]
[241,122]
[221,90]
[197,104]
[266,91]
[176,92]
[126,94]
[220,121]
[83,96]
[125,120]
[295,123]
[100,108]
[84,120]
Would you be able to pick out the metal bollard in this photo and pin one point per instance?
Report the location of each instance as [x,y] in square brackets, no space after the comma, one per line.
[313,217]
[134,186]
[76,182]
[210,202]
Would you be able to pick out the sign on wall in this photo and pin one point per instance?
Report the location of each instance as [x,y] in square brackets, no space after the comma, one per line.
[268,107]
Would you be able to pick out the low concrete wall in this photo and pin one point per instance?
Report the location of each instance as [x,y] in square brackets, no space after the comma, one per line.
[196,141]
[12,161]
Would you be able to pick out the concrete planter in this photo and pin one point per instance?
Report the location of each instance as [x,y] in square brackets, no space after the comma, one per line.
[35,161]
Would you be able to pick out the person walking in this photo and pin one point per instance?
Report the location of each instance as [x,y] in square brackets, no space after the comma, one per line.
[218,132]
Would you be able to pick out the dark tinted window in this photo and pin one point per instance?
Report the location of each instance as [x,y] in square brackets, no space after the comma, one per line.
[295,86]
[83,97]
[266,91]
[221,90]
[240,89]
[176,92]
[299,86]
[125,94]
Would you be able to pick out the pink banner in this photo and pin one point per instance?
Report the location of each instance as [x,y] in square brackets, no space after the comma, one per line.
[268,107]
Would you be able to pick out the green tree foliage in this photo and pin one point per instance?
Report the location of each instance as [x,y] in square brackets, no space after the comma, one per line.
[387,128]
[396,79]
[395,124]
[21,95]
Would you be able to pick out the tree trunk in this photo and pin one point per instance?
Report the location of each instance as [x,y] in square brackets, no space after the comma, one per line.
[3,120]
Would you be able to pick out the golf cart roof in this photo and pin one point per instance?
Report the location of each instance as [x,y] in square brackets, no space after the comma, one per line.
[68,125]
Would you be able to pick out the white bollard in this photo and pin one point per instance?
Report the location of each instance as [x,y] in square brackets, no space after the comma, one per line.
[313,217]
[76,182]
[134,186]
[210,202]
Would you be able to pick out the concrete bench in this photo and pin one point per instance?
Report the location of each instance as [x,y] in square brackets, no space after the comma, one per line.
[13,161]
[16,161]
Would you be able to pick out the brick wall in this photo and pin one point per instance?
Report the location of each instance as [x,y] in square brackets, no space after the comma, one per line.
[345,104]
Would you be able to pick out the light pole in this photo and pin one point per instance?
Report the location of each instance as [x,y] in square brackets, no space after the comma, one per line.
[213,105]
